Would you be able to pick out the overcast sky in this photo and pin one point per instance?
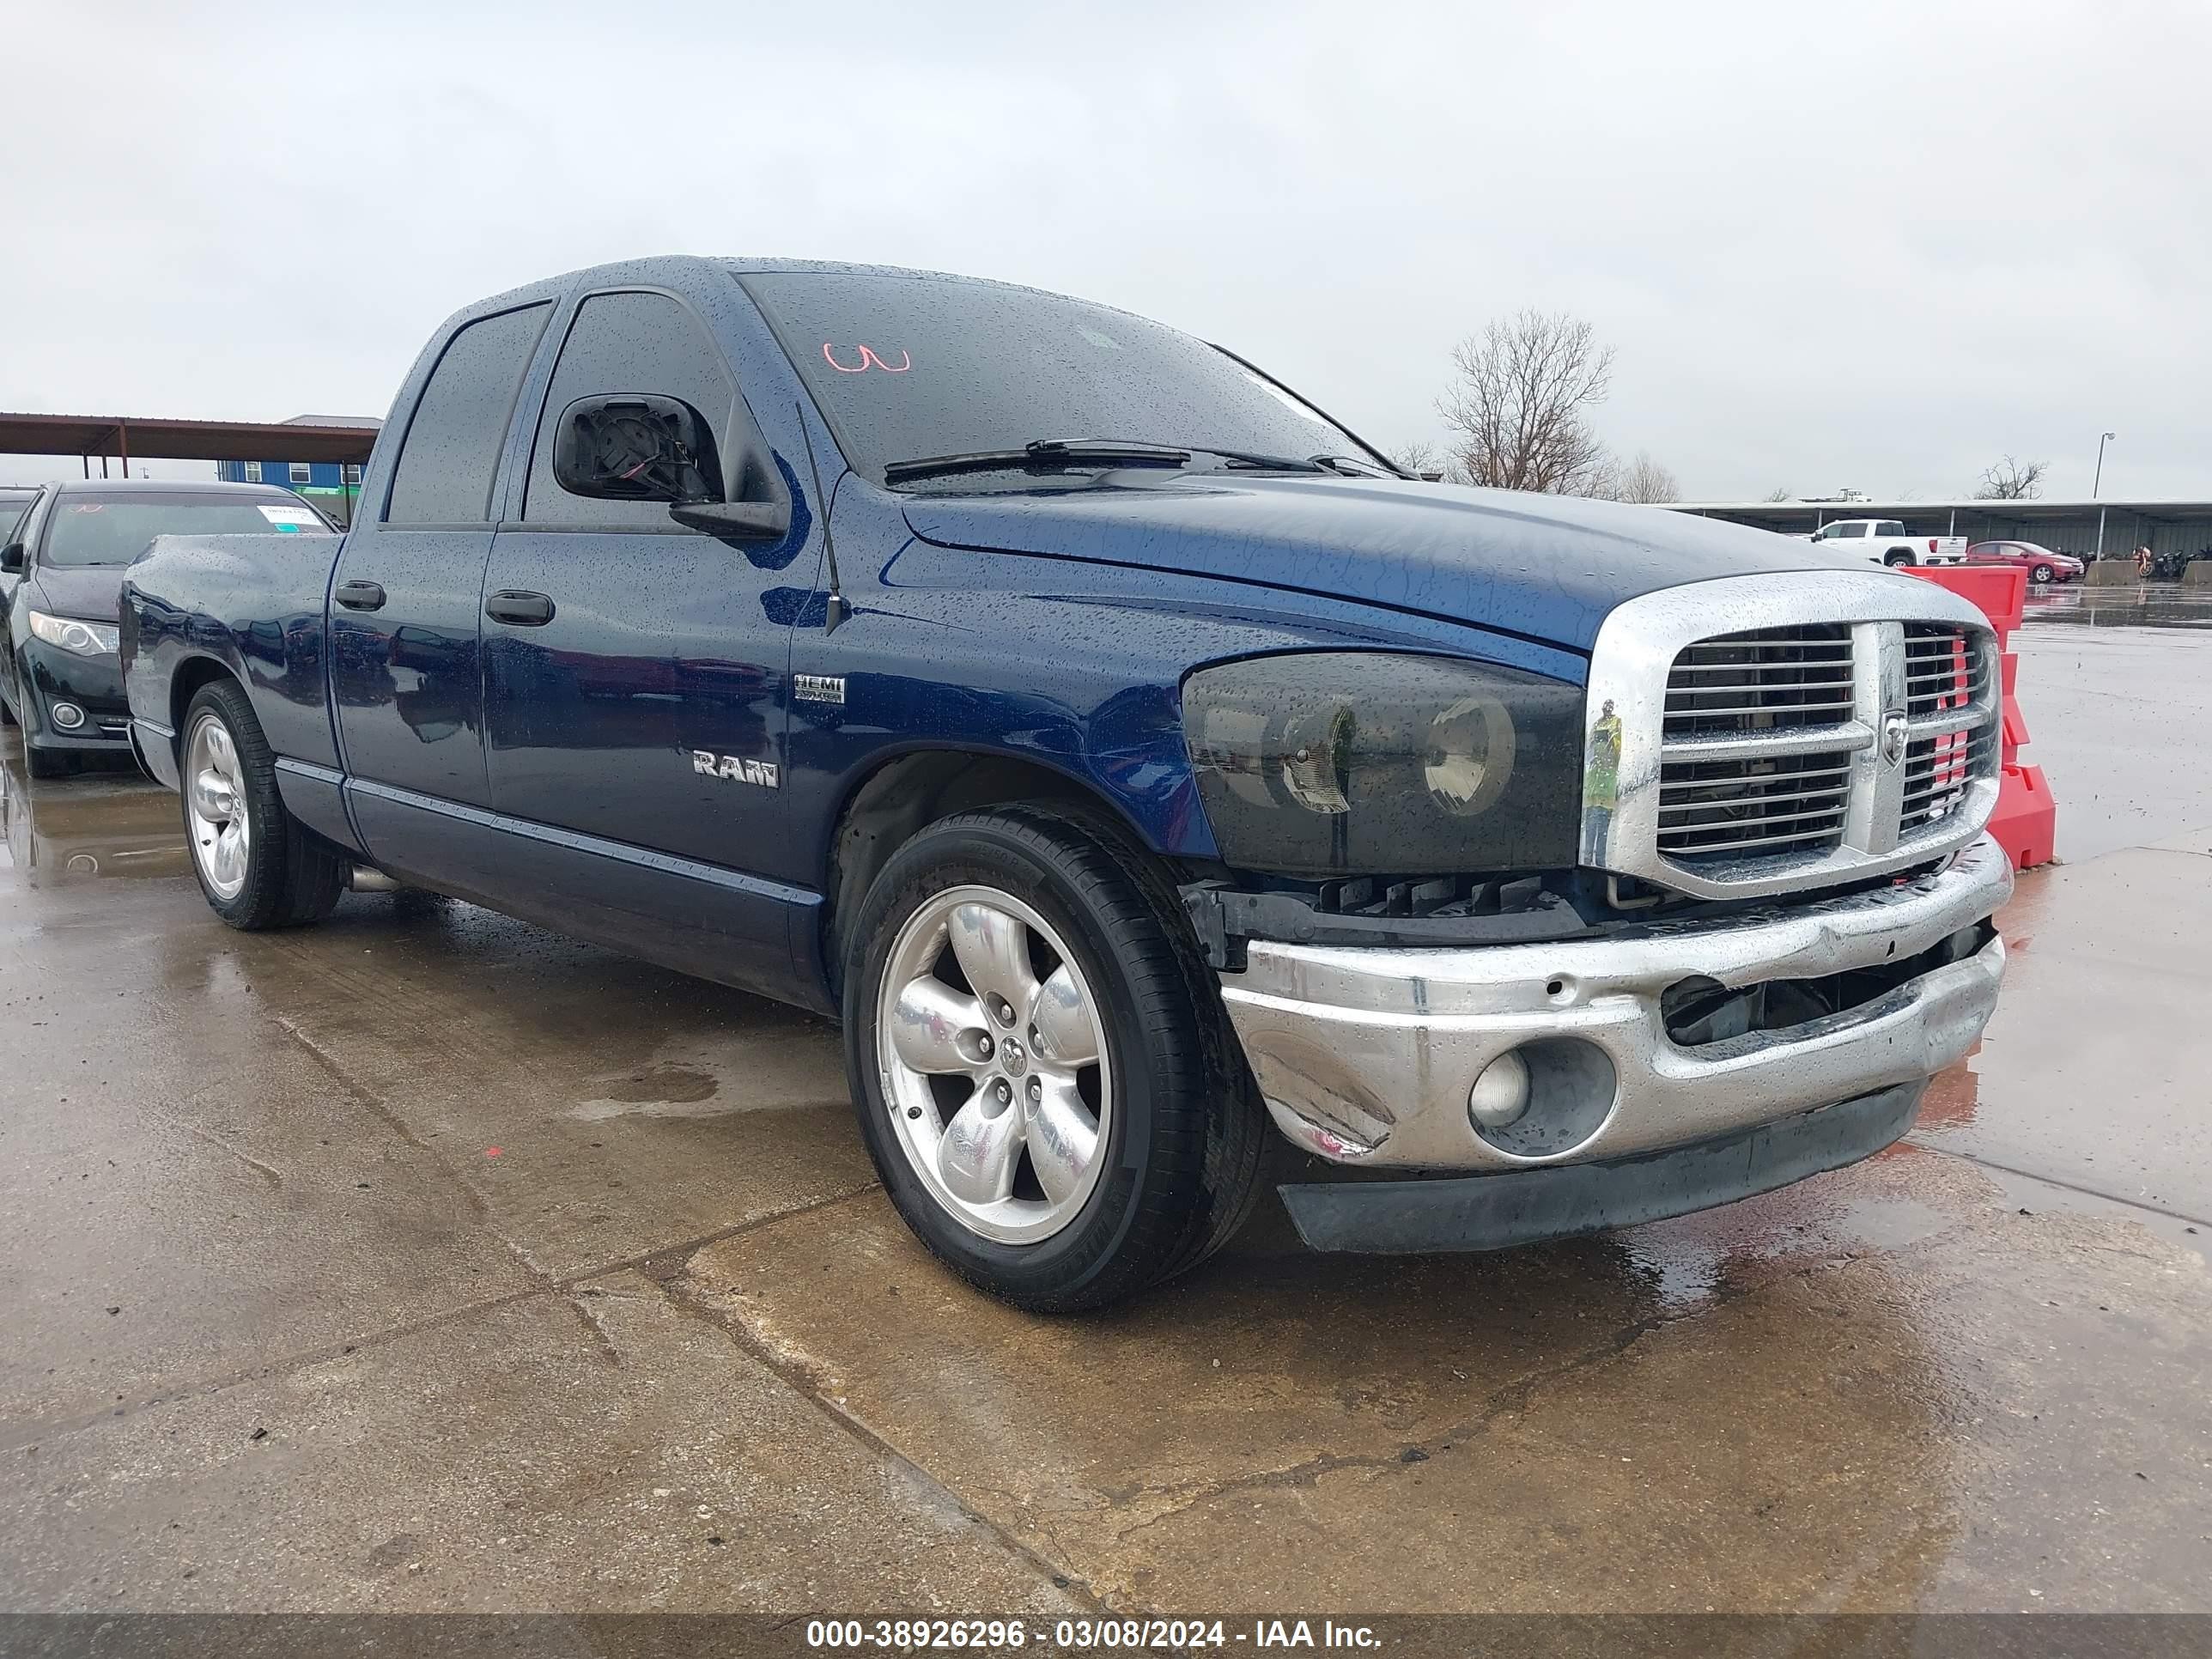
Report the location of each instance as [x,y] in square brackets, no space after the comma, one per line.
[1868,244]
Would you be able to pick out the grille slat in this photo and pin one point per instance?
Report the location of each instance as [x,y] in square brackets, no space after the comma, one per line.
[1740,843]
[1819,815]
[1682,811]
[1803,665]
[1707,711]
[1773,787]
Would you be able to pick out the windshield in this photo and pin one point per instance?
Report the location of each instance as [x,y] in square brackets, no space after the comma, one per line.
[85,529]
[911,367]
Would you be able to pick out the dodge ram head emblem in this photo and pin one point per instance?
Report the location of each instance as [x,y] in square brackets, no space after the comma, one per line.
[1893,733]
[730,767]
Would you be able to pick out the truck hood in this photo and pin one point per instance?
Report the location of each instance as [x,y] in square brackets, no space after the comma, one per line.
[1546,568]
[93,592]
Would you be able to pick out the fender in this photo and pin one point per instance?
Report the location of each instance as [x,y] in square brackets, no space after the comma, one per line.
[256,613]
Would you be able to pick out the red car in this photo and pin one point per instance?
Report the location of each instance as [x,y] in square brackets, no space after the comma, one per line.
[2042,566]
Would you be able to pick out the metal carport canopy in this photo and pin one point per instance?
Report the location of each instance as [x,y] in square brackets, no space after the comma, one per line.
[1795,514]
[128,436]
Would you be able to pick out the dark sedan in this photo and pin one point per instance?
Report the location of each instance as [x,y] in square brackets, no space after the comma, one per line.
[61,585]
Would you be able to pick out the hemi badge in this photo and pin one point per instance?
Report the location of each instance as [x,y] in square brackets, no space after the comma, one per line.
[818,688]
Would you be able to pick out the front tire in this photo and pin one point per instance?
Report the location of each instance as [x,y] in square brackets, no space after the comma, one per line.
[257,867]
[1044,1075]
[2041,575]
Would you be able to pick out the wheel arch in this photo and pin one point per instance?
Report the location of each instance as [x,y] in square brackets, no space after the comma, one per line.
[191,674]
[903,794]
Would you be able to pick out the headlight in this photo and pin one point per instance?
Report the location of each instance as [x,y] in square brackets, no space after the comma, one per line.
[1335,764]
[86,639]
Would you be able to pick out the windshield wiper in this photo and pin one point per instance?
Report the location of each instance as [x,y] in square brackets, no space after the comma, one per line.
[1234,457]
[1080,451]
[1042,452]
[1354,466]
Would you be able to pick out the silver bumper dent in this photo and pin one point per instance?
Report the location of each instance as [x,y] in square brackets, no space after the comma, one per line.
[1367,1057]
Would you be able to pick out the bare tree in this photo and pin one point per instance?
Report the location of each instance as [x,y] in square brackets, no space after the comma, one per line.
[1420,457]
[1645,480]
[2008,480]
[1782,496]
[1520,406]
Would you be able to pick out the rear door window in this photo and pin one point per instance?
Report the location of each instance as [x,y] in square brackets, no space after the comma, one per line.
[1889,527]
[629,343]
[451,454]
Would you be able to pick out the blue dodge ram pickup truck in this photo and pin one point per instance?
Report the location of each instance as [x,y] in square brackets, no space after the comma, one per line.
[1138,764]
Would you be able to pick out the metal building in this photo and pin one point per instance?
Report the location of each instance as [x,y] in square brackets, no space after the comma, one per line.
[331,485]
[2109,529]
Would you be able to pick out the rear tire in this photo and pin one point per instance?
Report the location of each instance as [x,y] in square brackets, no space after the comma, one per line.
[1136,1134]
[257,867]
[1897,557]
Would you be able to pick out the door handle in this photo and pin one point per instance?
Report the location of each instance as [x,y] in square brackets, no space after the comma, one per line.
[523,610]
[359,596]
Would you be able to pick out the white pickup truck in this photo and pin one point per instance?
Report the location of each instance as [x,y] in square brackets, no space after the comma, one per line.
[1883,541]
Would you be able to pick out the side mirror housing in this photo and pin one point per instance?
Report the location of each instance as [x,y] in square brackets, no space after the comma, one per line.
[641,446]
[635,447]
[767,521]
[14,559]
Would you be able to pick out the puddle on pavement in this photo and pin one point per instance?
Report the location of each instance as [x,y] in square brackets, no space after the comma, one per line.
[663,1085]
[2148,605]
[96,823]
[2113,689]
[657,1091]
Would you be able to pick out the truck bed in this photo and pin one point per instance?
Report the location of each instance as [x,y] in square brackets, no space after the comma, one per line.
[252,603]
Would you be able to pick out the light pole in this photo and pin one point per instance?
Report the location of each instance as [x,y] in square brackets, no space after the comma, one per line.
[2098,484]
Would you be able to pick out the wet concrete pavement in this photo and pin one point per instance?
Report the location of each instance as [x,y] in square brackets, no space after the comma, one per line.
[426,1261]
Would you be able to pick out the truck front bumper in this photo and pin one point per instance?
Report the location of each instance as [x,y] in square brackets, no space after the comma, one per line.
[1369,1057]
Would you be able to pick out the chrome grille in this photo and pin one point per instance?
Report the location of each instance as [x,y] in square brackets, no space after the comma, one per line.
[1782,731]
[1937,771]
[1713,807]
[1761,680]
[1941,669]
[1943,673]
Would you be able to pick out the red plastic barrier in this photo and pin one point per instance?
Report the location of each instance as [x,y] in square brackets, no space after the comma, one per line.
[2026,822]
[1999,590]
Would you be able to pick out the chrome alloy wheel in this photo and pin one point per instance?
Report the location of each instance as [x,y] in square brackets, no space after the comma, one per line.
[993,1063]
[214,804]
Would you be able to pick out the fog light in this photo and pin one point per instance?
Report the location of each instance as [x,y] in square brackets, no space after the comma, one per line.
[1500,1094]
[1549,1096]
[68,716]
